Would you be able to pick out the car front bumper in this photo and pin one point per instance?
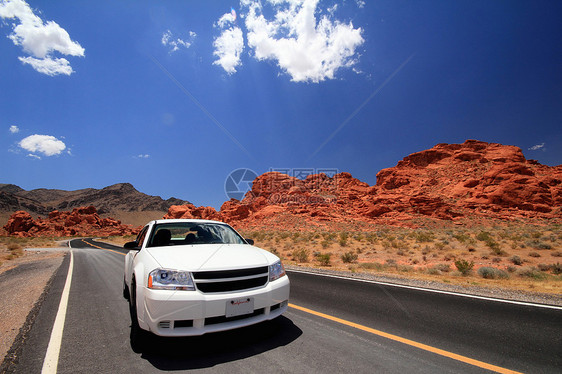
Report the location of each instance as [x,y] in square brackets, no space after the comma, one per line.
[190,313]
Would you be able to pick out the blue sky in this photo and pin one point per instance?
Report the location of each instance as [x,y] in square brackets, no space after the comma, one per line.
[172,96]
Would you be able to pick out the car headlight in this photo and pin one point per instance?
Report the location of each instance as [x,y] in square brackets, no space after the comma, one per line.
[166,279]
[276,271]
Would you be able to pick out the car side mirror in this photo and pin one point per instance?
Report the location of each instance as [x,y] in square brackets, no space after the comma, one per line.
[249,241]
[131,245]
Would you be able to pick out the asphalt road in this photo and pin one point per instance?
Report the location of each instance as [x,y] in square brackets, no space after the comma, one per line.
[442,331]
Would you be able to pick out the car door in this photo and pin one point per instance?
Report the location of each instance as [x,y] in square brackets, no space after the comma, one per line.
[133,252]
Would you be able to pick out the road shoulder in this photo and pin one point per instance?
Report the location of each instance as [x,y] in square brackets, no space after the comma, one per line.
[23,287]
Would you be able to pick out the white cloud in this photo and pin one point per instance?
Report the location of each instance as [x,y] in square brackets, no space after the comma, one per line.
[229,45]
[143,156]
[307,48]
[48,66]
[228,48]
[34,156]
[40,39]
[45,144]
[14,129]
[537,147]
[227,19]
[175,44]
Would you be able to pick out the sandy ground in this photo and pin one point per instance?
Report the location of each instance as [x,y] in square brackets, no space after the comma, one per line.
[22,281]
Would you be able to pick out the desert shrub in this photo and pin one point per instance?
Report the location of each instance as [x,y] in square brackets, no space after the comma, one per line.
[493,245]
[372,237]
[296,236]
[391,263]
[449,257]
[534,254]
[389,243]
[301,255]
[329,235]
[544,267]
[496,260]
[325,243]
[556,268]
[16,250]
[516,260]
[440,245]
[405,268]
[556,254]
[324,259]
[511,269]
[258,235]
[462,237]
[444,268]
[343,239]
[371,266]
[14,247]
[531,272]
[484,236]
[349,257]
[284,234]
[536,235]
[492,273]
[423,236]
[464,266]
[537,244]
[433,271]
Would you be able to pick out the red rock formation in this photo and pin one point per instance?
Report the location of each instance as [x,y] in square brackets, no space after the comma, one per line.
[474,178]
[191,211]
[80,222]
[449,182]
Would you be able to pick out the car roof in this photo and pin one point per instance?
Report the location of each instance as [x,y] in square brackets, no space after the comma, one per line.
[185,220]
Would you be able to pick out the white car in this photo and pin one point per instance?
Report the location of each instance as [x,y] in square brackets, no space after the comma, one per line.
[188,277]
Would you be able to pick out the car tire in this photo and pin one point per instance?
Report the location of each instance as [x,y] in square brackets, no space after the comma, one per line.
[126,293]
[138,336]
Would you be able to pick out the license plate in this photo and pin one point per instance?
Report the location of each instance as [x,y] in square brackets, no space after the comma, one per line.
[239,307]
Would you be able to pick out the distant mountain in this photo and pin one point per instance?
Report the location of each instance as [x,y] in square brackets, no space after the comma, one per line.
[120,200]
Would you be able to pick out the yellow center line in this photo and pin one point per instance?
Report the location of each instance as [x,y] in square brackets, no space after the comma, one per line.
[409,342]
[105,249]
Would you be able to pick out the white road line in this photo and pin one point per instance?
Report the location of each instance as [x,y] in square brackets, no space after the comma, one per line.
[52,356]
[430,290]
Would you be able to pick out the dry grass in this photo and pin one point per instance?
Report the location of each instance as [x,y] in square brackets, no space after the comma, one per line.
[527,257]
[12,248]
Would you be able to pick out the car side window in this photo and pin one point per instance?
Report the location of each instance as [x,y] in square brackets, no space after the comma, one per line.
[141,236]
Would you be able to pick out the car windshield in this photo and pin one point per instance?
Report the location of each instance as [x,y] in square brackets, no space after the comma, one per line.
[188,233]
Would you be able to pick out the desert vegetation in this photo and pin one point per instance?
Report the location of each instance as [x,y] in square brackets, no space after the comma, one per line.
[13,247]
[519,256]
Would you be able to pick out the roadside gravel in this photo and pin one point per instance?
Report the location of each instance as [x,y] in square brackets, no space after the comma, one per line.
[22,282]
[498,293]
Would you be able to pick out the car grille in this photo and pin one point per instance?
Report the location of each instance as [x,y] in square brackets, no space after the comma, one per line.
[231,280]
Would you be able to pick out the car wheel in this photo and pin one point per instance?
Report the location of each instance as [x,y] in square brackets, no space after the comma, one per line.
[138,335]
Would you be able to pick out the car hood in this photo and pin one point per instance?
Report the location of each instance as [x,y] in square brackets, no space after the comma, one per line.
[211,257]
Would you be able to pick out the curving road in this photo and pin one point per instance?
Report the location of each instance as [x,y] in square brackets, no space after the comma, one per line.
[333,325]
